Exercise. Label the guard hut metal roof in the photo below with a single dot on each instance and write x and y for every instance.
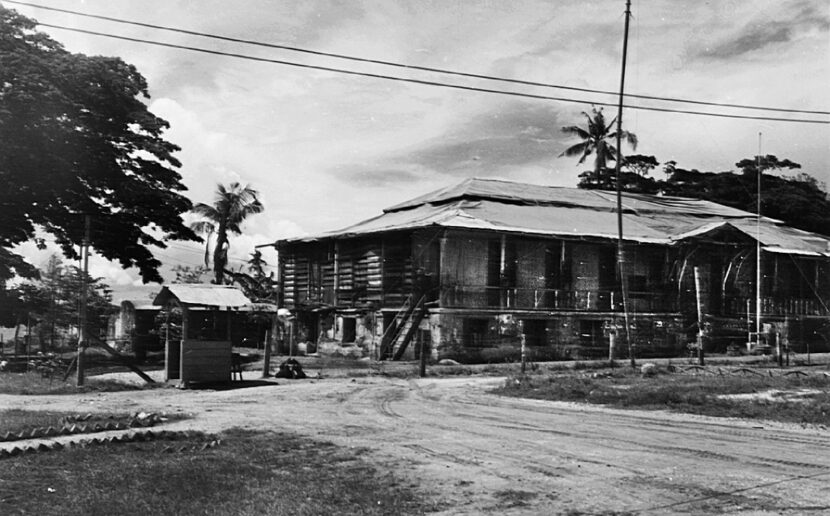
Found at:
(199, 357)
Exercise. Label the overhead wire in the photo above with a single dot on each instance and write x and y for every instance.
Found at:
(425, 82)
(405, 65)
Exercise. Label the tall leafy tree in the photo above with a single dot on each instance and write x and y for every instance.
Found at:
(597, 138)
(77, 141)
(51, 303)
(231, 206)
(800, 201)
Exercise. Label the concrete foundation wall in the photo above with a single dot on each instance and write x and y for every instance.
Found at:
(557, 337)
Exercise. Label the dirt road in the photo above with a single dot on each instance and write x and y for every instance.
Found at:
(479, 453)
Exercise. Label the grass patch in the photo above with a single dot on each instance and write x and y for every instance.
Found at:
(696, 394)
(248, 474)
(33, 382)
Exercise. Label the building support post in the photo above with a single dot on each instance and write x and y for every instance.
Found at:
(503, 301)
(442, 267)
(181, 343)
(524, 346)
(699, 299)
(422, 362)
(335, 294)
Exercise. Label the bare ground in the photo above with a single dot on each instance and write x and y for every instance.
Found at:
(477, 453)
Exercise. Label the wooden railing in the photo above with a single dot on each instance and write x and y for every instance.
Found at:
(778, 306)
(466, 296)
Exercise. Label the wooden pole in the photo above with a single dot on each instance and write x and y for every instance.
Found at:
(620, 248)
(82, 337)
(422, 368)
(167, 342)
(180, 344)
(778, 350)
(524, 353)
(266, 365)
(758, 276)
(28, 339)
(699, 299)
(502, 271)
(291, 339)
(612, 342)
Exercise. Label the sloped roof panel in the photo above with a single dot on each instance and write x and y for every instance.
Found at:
(527, 194)
(784, 238)
(204, 295)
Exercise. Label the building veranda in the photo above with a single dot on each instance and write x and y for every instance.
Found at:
(470, 271)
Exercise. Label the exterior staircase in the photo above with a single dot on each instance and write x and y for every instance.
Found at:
(402, 330)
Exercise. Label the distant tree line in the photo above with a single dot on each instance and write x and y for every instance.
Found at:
(798, 200)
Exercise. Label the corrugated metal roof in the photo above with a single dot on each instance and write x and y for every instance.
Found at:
(203, 295)
(537, 195)
(555, 211)
(139, 304)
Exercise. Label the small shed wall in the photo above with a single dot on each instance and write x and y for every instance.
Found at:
(205, 361)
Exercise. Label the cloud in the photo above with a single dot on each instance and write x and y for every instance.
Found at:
(509, 134)
(802, 18)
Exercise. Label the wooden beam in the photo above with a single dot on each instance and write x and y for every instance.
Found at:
(180, 344)
(125, 361)
(442, 263)
(336, 272)
(502, 271)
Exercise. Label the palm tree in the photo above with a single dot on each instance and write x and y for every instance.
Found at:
(206, 228)
(599, 139)
(232, 205)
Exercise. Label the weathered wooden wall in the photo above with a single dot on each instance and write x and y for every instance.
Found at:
(205, 361)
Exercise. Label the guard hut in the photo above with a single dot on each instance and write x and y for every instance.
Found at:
(202, 353)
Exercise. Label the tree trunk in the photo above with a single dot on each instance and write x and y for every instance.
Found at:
(220, 255)
(16, 333)
(600, 163)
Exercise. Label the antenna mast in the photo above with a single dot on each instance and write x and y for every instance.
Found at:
(758, 249)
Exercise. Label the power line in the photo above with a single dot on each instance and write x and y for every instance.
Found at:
(424, 82)
(409, 66)
(202, 253)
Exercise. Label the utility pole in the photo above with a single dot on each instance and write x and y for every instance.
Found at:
(620, 245)
(82, 336)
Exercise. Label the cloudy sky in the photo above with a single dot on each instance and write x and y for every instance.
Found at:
(327, 149)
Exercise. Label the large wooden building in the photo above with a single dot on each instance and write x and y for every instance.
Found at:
(471, 270)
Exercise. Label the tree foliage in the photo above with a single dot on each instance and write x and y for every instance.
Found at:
(51, 304)
(597, 138)
(231, 206)
(258, 286)
(78, 140)
(799, 201)
(188, 274)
